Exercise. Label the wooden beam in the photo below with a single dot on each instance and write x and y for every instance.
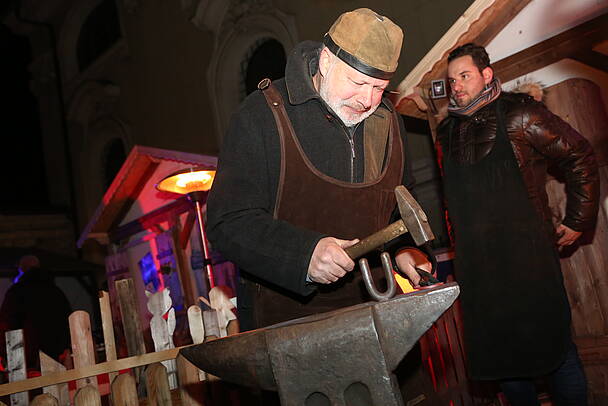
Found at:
(126, 194)
(480, 23)
(554, 49)
(108, 329)
(149, 220)
(86, 372)
(602, 47)
(184, 236)
(186, 275)
(591, 58)
(447, 41)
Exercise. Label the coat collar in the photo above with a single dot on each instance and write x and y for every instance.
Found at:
(301, 66)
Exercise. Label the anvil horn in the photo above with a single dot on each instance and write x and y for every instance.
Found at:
(241, 359)
(325, 353)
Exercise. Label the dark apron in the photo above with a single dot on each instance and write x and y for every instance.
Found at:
(309, 199)
(515, 308)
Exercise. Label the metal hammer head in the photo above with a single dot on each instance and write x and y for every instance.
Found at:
(413, 216)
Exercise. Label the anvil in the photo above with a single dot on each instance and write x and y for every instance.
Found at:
(330, 355)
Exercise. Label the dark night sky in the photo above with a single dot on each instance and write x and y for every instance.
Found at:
(22, 165)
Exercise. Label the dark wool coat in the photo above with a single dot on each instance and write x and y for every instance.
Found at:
(241, 203)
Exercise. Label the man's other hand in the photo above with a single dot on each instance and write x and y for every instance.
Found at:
(408, 259)
(329, 261)
(566, 235)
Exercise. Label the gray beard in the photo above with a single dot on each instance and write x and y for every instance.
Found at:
(335, 105)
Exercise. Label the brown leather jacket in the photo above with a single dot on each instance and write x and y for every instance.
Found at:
(540, 140)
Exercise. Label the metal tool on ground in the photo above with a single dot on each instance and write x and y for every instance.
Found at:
(413, 220)
(335, 356)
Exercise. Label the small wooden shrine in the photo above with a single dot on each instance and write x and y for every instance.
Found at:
(151, 235)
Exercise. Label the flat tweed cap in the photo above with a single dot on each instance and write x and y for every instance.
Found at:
(366, 41)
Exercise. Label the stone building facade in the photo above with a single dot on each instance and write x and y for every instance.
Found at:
(110, 74)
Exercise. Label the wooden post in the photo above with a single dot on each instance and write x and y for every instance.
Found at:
(195, 322)
(186, 276)
(197, 331)
(190, 377)
(190, 386)
(211, 330)
(61, 392)
(158, 385)
(127, 301)
(15, 355)
(108, 329)
(210, 321)
(82, 345)
(45, 399)
(87, 396)
(124, 392)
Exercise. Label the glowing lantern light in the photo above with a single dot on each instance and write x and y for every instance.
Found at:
(194, 182)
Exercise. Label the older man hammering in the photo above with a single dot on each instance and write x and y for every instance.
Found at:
(308, 165)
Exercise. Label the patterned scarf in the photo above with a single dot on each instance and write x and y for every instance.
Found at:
(487, 96)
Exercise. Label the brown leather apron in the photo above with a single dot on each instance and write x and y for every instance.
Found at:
(309, 199)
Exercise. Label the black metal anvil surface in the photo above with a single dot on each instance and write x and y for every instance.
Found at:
(329, 354)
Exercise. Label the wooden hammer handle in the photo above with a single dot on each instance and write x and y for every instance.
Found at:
(377, 239)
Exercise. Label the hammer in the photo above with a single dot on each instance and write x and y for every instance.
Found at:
(413, 220)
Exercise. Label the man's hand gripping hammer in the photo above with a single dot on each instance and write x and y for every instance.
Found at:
(413, 220)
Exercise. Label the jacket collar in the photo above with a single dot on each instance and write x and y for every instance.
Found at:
(302, 64)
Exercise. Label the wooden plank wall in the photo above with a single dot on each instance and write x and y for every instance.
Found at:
(444, 357)
(579, 102)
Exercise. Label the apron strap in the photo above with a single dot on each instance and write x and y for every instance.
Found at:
(275, 103)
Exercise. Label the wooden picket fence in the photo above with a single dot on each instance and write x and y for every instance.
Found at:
(140, 378)
(165, 378)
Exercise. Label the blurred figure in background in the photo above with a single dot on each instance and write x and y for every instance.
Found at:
(35, 304)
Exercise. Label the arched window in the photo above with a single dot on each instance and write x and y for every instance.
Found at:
(113, 157)
(233, 58)
(99, 32)
(267, 61)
